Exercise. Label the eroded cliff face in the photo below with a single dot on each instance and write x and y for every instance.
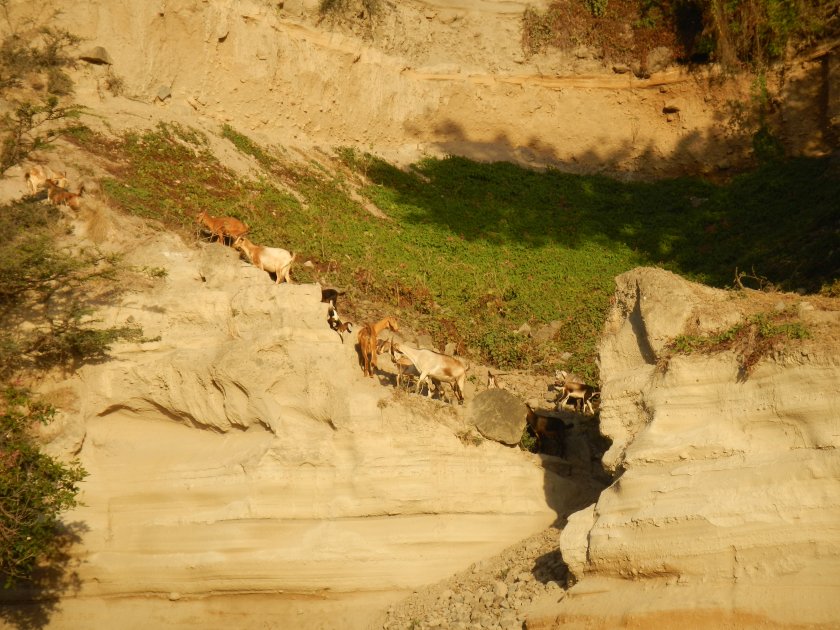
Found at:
(242, 451)
(423, 78)
(726, 502)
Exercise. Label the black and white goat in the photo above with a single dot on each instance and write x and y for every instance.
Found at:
(334, 320)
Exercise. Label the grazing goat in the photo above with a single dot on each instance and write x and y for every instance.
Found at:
(222, 227)
(437, 366)
(60, 197)
(334, 320)
(271, 259)
(570, 386)
(368, 342)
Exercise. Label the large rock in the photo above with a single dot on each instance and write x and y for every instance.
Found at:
(499, 416)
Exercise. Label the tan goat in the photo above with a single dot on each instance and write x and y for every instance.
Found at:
(222, 227)
(571, 386)
(435, 366)
(367, 342)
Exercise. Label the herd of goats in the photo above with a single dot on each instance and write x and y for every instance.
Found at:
(424, 366)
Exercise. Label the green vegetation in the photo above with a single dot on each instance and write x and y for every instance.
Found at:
(370, 7)
(470, 252)
(757, 337)
(46, 298)
(34, 490)
(29, 126)
(734, 32)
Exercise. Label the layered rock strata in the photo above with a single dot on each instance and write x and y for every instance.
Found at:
(726, 501)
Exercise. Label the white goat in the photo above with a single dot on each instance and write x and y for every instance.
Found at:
(271, 259)
(436, 366)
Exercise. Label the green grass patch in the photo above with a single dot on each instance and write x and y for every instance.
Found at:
(471, 251)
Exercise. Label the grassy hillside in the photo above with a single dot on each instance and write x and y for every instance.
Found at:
(469, 252)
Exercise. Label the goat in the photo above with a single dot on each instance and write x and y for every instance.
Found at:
(222, 227)
(36, 178)
(546, 429)
(330, 295)
(271, 259)
(437, 366)
(367, 342)
(578, 390)
(334, 321)
(60, 197)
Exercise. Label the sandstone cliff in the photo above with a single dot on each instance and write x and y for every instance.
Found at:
(242, 452)
(726, 505)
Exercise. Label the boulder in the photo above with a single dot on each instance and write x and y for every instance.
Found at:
(499, 416)
(97, 55)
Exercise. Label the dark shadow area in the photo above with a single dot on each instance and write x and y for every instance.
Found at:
(780, 220)
(31, 605)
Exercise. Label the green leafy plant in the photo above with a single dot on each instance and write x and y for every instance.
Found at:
(596, 7)
(35, 489)
(509, 246)
(32, 126)
(757, 337)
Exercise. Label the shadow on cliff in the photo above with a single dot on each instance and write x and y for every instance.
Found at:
(780, 219)
(572, 459)
(30, 605)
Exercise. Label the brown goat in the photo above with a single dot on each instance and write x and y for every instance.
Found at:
(60, 197)
(222, 227)
(547, 430)
(367, 342)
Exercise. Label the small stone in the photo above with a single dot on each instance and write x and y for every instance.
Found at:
(174, 596)
(500, 589)
(97, 55)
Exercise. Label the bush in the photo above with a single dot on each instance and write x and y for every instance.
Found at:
(30, 127)
(34, 489)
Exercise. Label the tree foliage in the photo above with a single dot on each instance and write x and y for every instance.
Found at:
(35, 489)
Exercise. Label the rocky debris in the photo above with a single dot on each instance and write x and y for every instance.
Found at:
(659, 58)
(493, 594)
(97, 55)
(498, 415)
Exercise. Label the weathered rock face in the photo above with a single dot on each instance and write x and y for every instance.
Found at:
(727, 496)
(422, 77)
(243, 451)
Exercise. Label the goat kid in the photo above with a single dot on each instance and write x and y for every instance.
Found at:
(368, 348)
(271, 259)
(222, 227)
(436, 366)
(334, 321)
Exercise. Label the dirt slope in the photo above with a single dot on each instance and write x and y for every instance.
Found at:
(426, 78)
